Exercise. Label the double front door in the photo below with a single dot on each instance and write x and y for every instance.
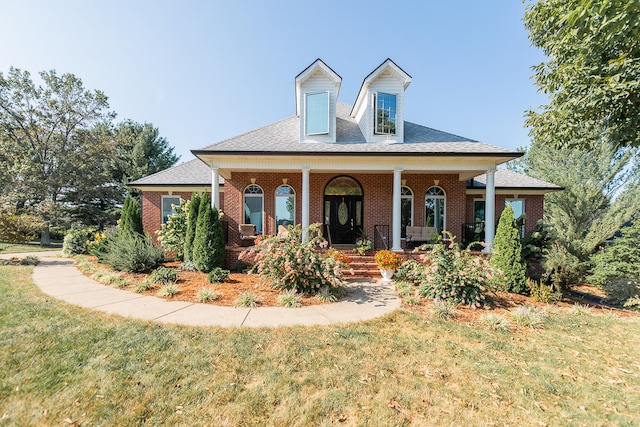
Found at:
(343, 218)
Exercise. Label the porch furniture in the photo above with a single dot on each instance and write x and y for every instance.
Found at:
(418, 235)
(247, 234)
(282, 231)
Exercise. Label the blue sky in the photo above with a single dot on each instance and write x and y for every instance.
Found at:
(202, 71)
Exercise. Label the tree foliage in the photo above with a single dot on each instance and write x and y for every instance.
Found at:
(39, 134)
(592, 71)
(601, 193)
(507, 256)
(172, 234)
(620, 260)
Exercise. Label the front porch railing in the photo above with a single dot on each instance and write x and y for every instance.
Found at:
(380, 237)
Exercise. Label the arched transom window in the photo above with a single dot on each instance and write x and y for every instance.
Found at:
(406, 209)
(285, 206)
(435, 209)
(254, 206)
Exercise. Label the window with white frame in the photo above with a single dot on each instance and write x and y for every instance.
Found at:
(254, 206)
(435, 209)
(385, 113)
(285, 206)
(168, 203)
(406, 209)
(317, 113)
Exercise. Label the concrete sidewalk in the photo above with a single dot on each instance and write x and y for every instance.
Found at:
(59, 278)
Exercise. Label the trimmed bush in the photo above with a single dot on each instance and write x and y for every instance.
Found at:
(191, 224)
(76, 241)
(171, 235)
(619, 260)
(164, 275)
(208, 249)
(134, 253)
(217, 275)
(131, 217)
(507, 255)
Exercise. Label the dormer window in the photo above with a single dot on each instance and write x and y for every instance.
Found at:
(317, 113)
(385, 113)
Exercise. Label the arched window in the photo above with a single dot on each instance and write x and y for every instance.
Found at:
(406, 209)
(285, 206)
(253, 206)
(435, 209)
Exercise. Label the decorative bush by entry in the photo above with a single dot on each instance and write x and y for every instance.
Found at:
(217, 275)
(507, 255)
(191, 224)
(131, 217)
(75, 241)
(172, 234)
(457, 276)
(386, 259)
(292, 265)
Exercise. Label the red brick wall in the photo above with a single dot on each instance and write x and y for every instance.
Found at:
(377, 189)
(152, 209)
(533, 207)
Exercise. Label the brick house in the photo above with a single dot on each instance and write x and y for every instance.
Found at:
(357, 169)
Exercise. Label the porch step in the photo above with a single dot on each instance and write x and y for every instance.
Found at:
(363, 266)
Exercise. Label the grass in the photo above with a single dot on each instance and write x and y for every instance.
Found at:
(10, 248)
(61, 362)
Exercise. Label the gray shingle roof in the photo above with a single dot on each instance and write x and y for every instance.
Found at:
(284, 137)
(192, 173)
(505, 178)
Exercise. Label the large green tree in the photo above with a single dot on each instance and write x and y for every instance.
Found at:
(592, 71)
(39, 137)
(601, 193)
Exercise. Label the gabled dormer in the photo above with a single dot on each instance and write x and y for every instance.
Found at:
(317, 90)
(379, 107)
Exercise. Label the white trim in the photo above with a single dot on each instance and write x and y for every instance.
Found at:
(275, 203)
(244, 195)
(490, 210)
(397, 212)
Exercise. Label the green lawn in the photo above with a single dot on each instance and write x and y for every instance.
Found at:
(8, 248)
(60, 362)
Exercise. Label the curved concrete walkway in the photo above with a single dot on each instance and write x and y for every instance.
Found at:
(366, 299)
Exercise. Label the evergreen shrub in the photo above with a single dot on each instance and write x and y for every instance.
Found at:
(507, 255)
(191, 224)
(134, 253)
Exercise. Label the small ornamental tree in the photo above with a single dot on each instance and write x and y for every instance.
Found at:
(507, 255)
(131, 218)
(208, 244)
(192, 220)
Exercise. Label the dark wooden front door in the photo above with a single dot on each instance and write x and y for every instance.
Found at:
(343, 218)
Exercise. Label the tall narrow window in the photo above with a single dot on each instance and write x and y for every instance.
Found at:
(435, 208)
(253, 206)
(385, 113)
(168, 202)
(317, 113)
(285, 206)
(406, 209)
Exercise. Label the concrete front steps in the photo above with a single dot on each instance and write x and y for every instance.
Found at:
(363, 266)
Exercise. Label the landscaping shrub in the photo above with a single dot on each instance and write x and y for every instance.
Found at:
(164, 275)
(530, 317)
(289, 299)
(217, 275)
(619, 260)
(247, 299)
(188, 266)
(208, 249)
(99, 247)
(240, 266)
(497, 322)
(457, 276)
(292, 265)
(169, 290)
(76, 241)
(131, 217)
(172, 234)
(134, 253)
(30, 260)
(207, 294)
(620, 291)
(507, 255)
(191, 224)
(444, 309)
(542, 292)
(411, 271)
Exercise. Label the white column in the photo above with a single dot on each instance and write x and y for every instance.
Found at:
(305, 202)
(215, 187)
(490, 210)
(396, 217)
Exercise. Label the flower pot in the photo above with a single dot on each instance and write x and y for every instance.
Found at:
(387, 274)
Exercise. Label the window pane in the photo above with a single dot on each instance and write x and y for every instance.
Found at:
(406, 209)
(253, 211)
(167, 208)
(517, 206)
(317, 113)
(435, 213)
(385, 113)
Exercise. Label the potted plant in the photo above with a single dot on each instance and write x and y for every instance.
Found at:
(388, 261)
(363, 245)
